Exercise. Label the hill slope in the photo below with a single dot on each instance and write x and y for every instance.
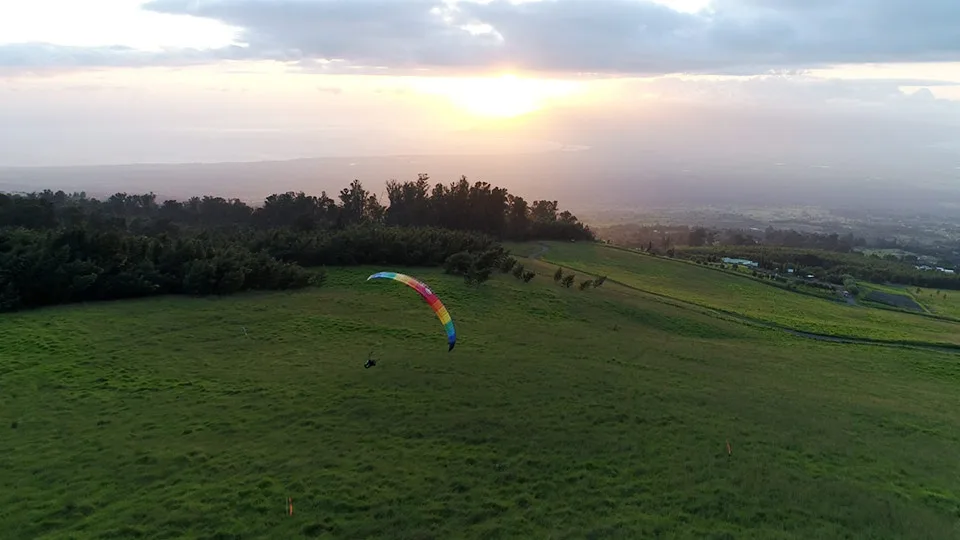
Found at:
(561, 413)
(748, 297)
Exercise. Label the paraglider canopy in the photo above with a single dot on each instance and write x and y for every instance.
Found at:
(429, 297)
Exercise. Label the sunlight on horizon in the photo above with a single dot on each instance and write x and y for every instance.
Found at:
(505, 96)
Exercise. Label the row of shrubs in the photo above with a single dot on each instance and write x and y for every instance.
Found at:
(477, 268)
(568, 279)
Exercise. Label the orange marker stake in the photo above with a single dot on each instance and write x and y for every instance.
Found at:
(290, 502)
(729, 450)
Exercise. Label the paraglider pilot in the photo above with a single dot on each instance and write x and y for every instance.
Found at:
(370, 362)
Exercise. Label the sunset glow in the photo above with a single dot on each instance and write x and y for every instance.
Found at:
(503, 96)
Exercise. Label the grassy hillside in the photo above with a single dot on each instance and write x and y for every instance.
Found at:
(874, 295)
(946, 303)
(560, 414)
(721, 290)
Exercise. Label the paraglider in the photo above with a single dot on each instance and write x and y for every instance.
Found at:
(429, 297)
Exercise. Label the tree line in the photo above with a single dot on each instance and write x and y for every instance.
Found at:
(58, 248)
(461, 206)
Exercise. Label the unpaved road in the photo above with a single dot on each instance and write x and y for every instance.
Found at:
(540, 252)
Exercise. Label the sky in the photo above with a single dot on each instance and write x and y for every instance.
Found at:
(121, 81)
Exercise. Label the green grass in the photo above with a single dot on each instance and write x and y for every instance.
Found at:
(892, 289)
(939, 302)
(906, 299)
(751, 298)
(560, 414)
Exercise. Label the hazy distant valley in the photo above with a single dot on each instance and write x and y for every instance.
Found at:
(595, 162)
(712, 167)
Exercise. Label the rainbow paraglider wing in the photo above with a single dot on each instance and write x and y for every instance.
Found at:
(429, 297)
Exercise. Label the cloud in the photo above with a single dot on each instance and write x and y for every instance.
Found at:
(613, 37)
(790, 90)
(604, 36)
(42, 57)
(634, 37)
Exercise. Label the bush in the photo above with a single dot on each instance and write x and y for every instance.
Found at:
(585, 284)
(518, 271)
(527, 276)
(507, 264)
(78, 264)
(490, 258)
(477, 275)
(567, 280)
(599, 281)
(475, 268)
(558, 275)
(458, 264)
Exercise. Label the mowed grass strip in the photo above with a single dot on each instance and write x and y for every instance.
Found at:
(560, 414)
(719, 290)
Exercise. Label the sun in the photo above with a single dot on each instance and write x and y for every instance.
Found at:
(502, 97)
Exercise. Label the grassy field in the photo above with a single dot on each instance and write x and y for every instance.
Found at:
(874, 295)
(720, 290)
(560, 414)
(946, 303)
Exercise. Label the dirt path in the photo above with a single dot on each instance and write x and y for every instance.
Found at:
(540, 252)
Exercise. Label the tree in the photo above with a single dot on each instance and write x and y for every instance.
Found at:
(518, 217)
(475, 268)
(484, 264)
(57, 247)
(409, 203)
(544, 211)
(490, 258)
(558, 275)
(698, 237)
(459, 264)
(477, 275)
(357, 205)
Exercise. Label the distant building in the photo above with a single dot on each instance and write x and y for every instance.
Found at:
(741, 262)
(938, 269)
